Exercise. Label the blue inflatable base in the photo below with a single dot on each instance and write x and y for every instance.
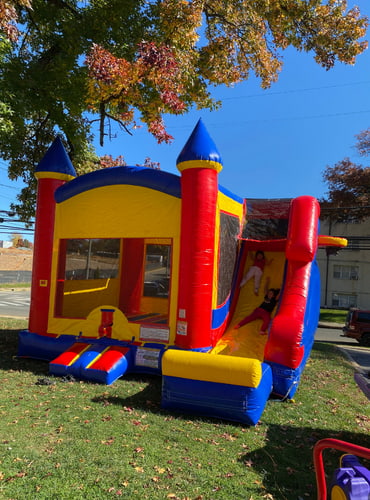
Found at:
(211, 399)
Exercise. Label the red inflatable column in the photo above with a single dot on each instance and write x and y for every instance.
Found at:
(53, 171)
(199, 163)
(132, 275)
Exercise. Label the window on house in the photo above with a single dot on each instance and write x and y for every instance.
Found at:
(353, 244)
(344, 300)
(345, 272)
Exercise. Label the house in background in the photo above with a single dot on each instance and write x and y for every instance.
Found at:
(5, 244)
(345, 275)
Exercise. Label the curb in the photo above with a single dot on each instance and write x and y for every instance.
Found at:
(335, 326)
(5, 316)
(363, 382)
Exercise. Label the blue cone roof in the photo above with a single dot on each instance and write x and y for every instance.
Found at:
(199, 146)
(56, 160)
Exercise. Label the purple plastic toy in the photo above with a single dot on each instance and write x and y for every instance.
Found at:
(351, 481)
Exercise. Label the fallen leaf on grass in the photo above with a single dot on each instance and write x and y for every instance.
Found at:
(108, 442)
(160, 470)
(19, 474)
(228, 436)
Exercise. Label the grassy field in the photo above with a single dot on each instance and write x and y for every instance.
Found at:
(65, 439)
(6, 286)
(333, 315)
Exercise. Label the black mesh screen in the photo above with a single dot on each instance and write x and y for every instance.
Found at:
(266, 219)
(229, 231)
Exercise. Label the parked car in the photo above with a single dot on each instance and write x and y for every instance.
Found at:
(155, 289)
(357, 326)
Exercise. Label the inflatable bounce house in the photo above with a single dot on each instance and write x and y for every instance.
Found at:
(139, 270)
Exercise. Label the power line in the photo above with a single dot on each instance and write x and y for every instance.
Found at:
(16, 228)
(295, 91)
(291, 118)
(359, 207)
(10, 187)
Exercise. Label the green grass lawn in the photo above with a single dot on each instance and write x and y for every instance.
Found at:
(78, 440)
(333, 315)
(15, 285)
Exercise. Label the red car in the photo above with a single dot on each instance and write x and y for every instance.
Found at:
(357, 326)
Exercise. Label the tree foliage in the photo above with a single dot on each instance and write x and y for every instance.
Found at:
(9, 17)
(133, 61)
(18, 241)
(348, 196)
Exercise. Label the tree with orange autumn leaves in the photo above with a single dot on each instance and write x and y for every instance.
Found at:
(172, 71)
(9, 17)
(348, 196)
(133, 61)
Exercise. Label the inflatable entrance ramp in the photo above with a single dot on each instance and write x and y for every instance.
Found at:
(93, 362)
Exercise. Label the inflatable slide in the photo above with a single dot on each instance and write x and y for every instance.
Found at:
(245, 368)
(152, 283)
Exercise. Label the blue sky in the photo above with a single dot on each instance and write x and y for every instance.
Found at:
(274, 143)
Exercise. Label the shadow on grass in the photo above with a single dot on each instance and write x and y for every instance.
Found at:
(9, 359)
(147, 399)
(285, 462)
(288, 458)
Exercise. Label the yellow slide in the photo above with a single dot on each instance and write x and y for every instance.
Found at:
(246, 342)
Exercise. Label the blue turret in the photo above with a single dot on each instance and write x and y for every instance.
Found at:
(56, 163)
(199, 147)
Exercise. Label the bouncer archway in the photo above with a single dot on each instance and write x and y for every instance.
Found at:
(138, 270)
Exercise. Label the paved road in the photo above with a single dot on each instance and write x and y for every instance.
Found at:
(15, 303)
(15, 276)
(360, 355)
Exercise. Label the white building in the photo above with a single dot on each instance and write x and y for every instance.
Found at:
(5, 244)
(345, 277)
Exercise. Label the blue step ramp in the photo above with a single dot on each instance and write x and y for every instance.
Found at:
(93, 362)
